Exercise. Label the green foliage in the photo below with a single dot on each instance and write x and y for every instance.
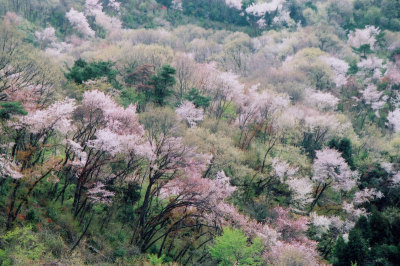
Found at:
(353, 68)
(197, 99)
(155, 260)
(166, 3)
(373, 239)
(216, 10)
(231, 248)
(162, 83)
(21, 242)
(382, 13)
(355, 251)
(345, 147)
(363, 50)
(357, 248)
(136, 13)
(84, 71)
(11, 108)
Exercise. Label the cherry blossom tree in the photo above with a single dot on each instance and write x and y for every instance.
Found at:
(8, 168)
(375, 98)
(174, 166)
(57, 117)
(97, 194)
(114, 4)
(371, 67)
(102, 133)
(339, 68)
(257, 110)
(234, 3)
(190, 113)
(366, 195)
(330, 169)
(46, 37)
(223, 87)
(260, 9)
(317, 126)
(95, 9)
(302, 188)
(366, 36)
(394, 119)
(322, 100)
(79, 22)
(32, 143)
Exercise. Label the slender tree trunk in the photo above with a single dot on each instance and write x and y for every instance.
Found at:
(318, 197)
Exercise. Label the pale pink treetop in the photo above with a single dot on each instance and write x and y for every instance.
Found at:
(114, 4)
(371, 67)
(375, 98)
(302, 189)
(395, 179)
(394, 120)
(9, 168)
(282, 252)
(47, 36)
(57, 116)
(255, 106)
(188, 111)
(330, 168)
(314, 119)
(29, 94)
(322, 223)
(260, 9)
(98, 194)
(339, 68)
(228, 83)
(322, 100)
(366, 195)
(353, 212)
(123, 132)
(119, 119)
(393, 73)
(234, 3)
(79, 23)
(80, 155)
(283, 169)
(95, 9)
(283, 18)
(360, 37)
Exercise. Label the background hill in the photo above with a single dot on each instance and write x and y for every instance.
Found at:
(199, 132)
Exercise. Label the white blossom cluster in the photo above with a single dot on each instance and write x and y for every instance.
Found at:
(375, 98)
(330, 167)
(364, 36)
(188, 111)
(322, 100)
(394, 120)
(260, 9)
(79, 21)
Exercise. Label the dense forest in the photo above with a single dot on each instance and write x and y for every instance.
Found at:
(200, 132)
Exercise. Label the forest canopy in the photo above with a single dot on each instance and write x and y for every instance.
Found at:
(194, 132)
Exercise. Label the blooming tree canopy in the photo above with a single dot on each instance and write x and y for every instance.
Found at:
(188, 111)
(79, 22)
(331, 169)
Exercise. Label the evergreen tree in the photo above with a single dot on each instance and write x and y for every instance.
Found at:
(11, 108)
(357, 249)
(162, 83)
(340, 252)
